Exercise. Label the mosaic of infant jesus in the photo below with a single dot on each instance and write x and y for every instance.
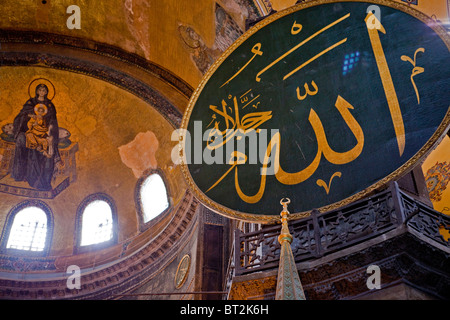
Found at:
(37, 135)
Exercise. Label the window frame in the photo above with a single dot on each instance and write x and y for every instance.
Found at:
(78, 248)
(138, 203)
(9, 223)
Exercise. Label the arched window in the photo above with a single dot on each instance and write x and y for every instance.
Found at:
(152, 197)
(28, 229)
(96, 221)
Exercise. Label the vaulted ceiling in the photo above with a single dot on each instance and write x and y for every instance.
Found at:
(121, 84)
(119, 81)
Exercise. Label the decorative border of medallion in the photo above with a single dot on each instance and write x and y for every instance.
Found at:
(182, 271)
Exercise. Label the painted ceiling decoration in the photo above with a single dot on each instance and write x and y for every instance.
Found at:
(115, 95)
(437, 179)
(32, 56)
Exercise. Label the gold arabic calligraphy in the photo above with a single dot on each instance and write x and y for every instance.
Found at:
(273, 151)
(258, 76)
(373, 25)
(250, 121)
(415, 71)
(228, 125)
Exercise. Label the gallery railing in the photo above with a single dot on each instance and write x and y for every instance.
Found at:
(324, 233)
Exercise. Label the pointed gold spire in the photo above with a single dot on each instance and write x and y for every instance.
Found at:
(289, 286)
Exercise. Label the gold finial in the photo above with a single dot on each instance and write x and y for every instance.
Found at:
(289, 286)
(285, 204)
(285, 235)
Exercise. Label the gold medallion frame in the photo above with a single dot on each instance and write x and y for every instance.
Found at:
(182, 274)
(265, 219)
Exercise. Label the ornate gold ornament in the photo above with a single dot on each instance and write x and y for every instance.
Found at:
(182, 271)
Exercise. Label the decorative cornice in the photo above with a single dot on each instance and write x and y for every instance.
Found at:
(117, 277)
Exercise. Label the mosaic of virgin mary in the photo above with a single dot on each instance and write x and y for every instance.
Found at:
(36, 136)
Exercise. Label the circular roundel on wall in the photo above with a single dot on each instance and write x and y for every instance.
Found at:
(182, 271)
(321, 103)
